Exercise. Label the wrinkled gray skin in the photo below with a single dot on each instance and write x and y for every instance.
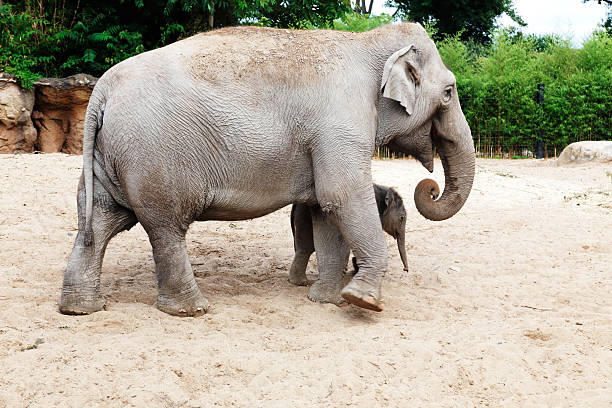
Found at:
(236, 123)
(393, 219)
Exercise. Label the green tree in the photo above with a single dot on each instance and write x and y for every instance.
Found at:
(17, 32)
(497, 86)
(474, 19)
(358, 22)
(60, 38)
(300, 13)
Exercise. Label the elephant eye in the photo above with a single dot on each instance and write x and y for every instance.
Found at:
(448, 92)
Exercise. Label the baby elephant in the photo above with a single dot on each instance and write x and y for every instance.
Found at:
(392, 216)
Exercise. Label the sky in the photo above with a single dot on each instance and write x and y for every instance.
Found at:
(568, 18)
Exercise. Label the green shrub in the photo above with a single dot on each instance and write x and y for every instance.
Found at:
(358, 22)
(496, 83)
(497, 87)
(18, 31)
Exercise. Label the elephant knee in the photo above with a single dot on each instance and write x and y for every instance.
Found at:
(331, 201)
(304, 253)
(330, 207)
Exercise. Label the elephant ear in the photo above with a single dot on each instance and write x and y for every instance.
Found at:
(400, 78)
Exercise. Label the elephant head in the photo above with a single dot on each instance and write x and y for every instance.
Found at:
(393, 219)
(419, 108)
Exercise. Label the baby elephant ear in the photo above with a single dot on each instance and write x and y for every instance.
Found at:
(400, 78)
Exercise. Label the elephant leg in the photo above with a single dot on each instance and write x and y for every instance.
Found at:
(301, 225)
(355, 267)
(365, 235)
(81, 287)
(178, 292)
(332, 257)
(344, 191)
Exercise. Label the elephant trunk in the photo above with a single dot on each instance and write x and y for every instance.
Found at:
(459, 167)
(401, 246)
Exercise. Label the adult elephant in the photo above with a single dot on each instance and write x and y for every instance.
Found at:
(236, 123)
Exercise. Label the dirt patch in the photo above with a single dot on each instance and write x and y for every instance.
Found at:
(457, 330)
(537, 334)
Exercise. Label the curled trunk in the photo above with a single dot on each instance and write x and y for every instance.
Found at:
(459, 166)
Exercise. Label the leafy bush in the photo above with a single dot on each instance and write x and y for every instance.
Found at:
(52, 38)
(496, 83)
(498, 87)
(17, 32)
(358, 22)
(94, 47)
(58, 44)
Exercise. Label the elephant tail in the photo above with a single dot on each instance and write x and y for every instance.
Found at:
(93, 123)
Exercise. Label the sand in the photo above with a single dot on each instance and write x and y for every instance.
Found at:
(507, 304)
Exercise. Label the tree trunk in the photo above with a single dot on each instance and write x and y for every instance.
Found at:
(211, 20)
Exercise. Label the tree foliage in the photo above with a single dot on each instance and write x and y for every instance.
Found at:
(498, 89)
(496, 80)
(17, 32)
(60, 38)
(301, 13)
(357, 22)
(474, 19)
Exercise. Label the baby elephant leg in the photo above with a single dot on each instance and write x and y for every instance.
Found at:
(301, 226)
(332, 257)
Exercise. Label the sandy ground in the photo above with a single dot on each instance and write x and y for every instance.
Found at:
(508, 304)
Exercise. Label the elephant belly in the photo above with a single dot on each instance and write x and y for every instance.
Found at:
(232, 173)
(234, 205)
(258, 193)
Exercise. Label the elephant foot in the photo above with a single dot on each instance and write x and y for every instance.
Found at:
(191, 304)
(297, 272)
(299, 280)
(74, 303)
(363, 294)
(322, 293)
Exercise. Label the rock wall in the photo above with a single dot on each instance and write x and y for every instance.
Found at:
(48, 118)
(17, 133)
(59, 112)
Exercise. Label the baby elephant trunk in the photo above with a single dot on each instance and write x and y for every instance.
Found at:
(399, 233)
(401, 245)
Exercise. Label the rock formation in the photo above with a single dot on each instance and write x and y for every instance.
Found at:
(59, 112)
(17, 133)
(584, 152)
